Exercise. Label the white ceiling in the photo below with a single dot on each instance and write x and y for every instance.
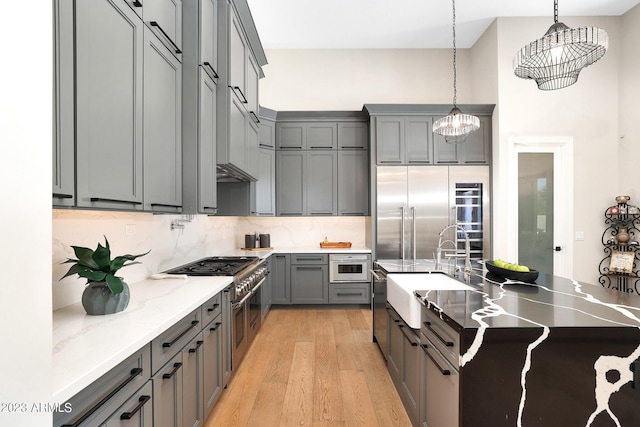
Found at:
(396, 24)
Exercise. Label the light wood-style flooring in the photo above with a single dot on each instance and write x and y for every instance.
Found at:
(311, 367)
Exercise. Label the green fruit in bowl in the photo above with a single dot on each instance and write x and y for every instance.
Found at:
(522, 268)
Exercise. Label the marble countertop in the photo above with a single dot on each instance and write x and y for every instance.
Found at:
(86, 347)
(295, 250)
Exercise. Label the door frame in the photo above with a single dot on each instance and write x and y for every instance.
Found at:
(562, 149)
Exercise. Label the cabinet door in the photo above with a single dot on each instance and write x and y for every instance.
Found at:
(237, 133)
(477, 148)
(237, 59)
(162, 127)
(281, 279)
(63, 120)
(321, 182)
(192, 380)
(309, 284)
(252, 146)
(291, 136)
(265, 192)
(353, 182)
(353, 135)
(267, 133)
(410, 392)
(418, 140)
(267, 292)
(444, 152)
(109, 55)
(290, 191)
(253, 78)
(209, 36)
(394, 349)
(212, 369)
(164, 17)
(167, 394)
(207, 197)
(137, 411)
(322, 135)
(389, 140)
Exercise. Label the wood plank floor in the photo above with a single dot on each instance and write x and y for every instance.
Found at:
(311, 367)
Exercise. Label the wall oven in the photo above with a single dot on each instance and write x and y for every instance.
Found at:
(349, 268)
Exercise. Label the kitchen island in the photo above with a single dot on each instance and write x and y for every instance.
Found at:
(554, 353)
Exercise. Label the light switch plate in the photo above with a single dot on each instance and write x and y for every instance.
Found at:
(579, 235)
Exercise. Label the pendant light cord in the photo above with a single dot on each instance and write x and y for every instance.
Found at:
(455, 88)
(555, 11)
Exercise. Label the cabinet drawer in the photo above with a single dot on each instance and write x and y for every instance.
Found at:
(110, 391)
(310, 259)
(170, 342)
(349, 293)
(211, 309)
(444, 337)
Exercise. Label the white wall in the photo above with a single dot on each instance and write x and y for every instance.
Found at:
(25, 217)
(586, 111)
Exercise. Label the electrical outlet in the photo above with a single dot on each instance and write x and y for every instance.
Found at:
(129, 230)
(579, 235)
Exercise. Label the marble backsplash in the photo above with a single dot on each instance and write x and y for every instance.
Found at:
(201, 236)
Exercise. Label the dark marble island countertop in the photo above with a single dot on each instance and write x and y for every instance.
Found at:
(554, 353)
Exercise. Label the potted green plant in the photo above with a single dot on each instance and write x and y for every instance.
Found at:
(105, 292)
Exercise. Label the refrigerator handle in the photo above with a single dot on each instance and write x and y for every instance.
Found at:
(413, 230)
(402, 232)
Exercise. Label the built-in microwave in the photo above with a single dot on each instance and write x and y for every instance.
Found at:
(349, 268)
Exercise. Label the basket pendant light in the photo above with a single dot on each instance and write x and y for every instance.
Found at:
(456, 126)
(555, 60)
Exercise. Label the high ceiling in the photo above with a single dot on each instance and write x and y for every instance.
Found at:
(353, 24)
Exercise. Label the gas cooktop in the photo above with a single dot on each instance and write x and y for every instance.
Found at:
(215, 266)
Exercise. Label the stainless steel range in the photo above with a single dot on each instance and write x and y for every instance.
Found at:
(248, 275)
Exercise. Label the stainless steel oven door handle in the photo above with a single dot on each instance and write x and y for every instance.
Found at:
(239, 304)
(255, 288)
(375, 275)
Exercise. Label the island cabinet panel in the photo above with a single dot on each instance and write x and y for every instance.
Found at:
(109, 105)
(115, 389)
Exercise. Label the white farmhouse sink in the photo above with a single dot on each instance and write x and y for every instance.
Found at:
(400, 289)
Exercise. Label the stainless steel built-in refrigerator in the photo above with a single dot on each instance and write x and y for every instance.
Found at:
(414, 203)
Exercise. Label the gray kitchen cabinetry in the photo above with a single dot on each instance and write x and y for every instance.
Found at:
(321, 182)
(403, 363)
(475, 150)
(109, 100)
(63, 120)
(193, 368)
(199, 105)
(353, 135)
(263, 191)
(113, 394)
(212, 364)
(267, 294)
(404, 140)
(162, 127)
(164, 18)
(309, 279)
(353, 182)
(240, 58)
(167, 394)
(290, 182)
(281, 279)
(349, 293)
(226, 336)
(306, 135)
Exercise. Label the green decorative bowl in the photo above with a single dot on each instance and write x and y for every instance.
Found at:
(522, 276)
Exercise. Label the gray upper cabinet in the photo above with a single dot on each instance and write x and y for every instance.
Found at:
(291, 136)
(162, 127)
(207, 145)
(164, 18)
(63, 121)
(208, 36)
(320, 182)
(265, 187)
(237, 59)
(353, 182)
(476, 149)
(237, 150)
(322, 136)
(253, 80)
(290, 190)
(403, 140)
(306, 135)
(267, 129)
(353, 135)
(109, 81)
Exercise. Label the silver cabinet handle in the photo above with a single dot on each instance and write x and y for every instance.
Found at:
(413, 231)
(402, 232)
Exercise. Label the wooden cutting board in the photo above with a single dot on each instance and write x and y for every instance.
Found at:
(335, 244)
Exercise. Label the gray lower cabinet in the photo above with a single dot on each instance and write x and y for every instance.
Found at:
(192, 382)
(267, 293)
(167, 394)
(109, 120)
(113, 394)
(404, 358)
(349, 293)
(280, 279)
(137, 411)
(353, 182)
(212, 364)
(309, 279)
(226, 336)
(162, 127)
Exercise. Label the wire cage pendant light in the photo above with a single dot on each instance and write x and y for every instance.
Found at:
(455, 126)
(555, 60)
